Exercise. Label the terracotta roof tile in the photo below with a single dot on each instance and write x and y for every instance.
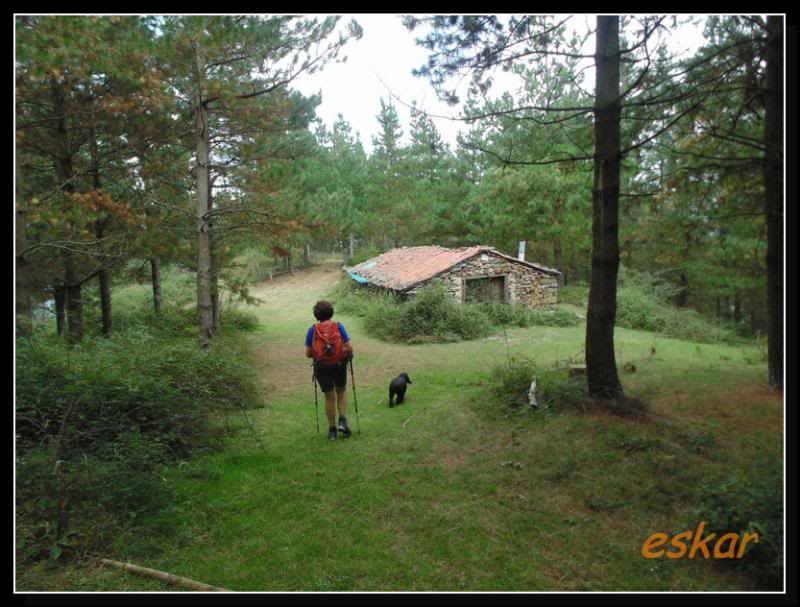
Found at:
(402, 268)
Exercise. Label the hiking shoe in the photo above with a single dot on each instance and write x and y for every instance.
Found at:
(343, 427)
(332, 434)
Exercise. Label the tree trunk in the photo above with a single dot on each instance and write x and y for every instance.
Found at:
(74, 303)
(601, 366)
(105, 300)
(64, 170)
(561, 279)
(683, 293)
(215, 307)
(155, 274)
(345, 257)
(307, 255)
(773, 189)
(737, 307)
(103, 277)
(59, 297)
(752, 309)
(352, 243)
(22, 276)
(204, 303)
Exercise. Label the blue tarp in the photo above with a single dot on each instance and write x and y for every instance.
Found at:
(358, 278)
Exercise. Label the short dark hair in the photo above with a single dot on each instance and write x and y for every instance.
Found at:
(323, 310)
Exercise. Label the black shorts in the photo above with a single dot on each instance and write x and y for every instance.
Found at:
(327, 377)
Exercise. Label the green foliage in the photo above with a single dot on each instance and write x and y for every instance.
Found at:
(363, 254)
(132, 309)
(750, 501)
(577, 295)
(113, 411)
(432, 316)
(522, 316)
(502, 314)
(555, 389)
(347, 296)
(255, 264)
(235, 319)
(510, 381)
(553, 317)
(643, 302)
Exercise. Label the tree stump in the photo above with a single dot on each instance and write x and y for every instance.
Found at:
(532, 394)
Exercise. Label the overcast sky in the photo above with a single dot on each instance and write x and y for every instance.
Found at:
(386, 52)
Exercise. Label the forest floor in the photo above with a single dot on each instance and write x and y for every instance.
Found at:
(445, 492)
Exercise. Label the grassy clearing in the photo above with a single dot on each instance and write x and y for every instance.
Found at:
(448, 492)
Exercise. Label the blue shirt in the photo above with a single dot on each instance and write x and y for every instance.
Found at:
(310, 334)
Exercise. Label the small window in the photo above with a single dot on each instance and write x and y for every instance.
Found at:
(489, 288)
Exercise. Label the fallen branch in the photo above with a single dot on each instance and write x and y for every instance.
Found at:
(174, 580)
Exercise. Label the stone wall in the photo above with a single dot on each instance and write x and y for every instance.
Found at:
(524, 285)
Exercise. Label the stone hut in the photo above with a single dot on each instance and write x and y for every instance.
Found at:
(477, 273)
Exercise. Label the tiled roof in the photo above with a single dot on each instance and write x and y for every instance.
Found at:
(400, 269)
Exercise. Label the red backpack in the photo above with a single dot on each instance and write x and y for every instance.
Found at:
(326, 345)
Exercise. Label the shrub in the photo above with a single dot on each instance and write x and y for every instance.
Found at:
(553, 317)
(639, 309)
(430, 316)
(521, 316)
(577, 295)
(237, 320)
(509, 384)
(555, 389)
(347, 296)
(113, 410)
(750, 503)
(502, 314)
(643, 303)
(255, 264)
(433, 316)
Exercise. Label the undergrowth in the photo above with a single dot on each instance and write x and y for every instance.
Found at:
(96, 421)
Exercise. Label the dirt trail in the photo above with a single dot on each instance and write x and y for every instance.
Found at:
(285, 310)
(316, 279)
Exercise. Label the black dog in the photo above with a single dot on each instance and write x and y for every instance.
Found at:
(398, 387)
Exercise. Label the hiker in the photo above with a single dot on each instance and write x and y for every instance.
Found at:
(329, 345)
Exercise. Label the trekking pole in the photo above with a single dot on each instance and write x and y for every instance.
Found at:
(253, 428)
(355, 400)
(316, 402)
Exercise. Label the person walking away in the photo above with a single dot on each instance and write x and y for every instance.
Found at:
(330, 347)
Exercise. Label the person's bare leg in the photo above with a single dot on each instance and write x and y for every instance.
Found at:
(330, 408)
(341, 400)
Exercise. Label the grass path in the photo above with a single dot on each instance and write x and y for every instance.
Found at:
(424, 498)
